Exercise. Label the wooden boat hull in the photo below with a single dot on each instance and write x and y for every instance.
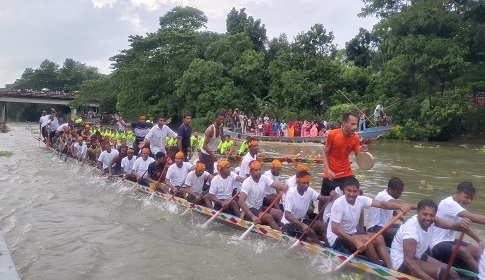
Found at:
(368, 135)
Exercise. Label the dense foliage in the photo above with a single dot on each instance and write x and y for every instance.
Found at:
(424, 60)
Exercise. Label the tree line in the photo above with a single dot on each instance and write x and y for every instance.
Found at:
(424, 60)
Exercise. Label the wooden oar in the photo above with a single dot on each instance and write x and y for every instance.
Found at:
(193, 204)
(453, 256)
(220, 211)
(311, 224)
(371, 239)
(277, 198)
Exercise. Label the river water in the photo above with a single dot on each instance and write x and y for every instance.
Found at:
(64, 223)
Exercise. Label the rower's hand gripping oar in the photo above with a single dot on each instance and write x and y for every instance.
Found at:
(370, 240)
(193, 204)
(261, 215)
(453, 256)
(220, 211)
(311, 224)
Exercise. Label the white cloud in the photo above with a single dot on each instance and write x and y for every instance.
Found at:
(103, 3)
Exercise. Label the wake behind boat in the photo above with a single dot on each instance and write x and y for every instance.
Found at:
(367, 136)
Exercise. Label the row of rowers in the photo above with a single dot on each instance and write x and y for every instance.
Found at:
(430, 234)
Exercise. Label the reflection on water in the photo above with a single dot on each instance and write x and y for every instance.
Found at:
(62, 222)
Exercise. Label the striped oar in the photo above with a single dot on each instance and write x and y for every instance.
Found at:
(311, 224)
(193, 204)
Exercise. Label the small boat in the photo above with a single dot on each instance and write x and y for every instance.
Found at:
(368, 135)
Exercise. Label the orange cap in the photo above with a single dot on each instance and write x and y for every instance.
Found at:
(302, 167)
(200, 166)
(130, 151)
(222, 164)
(254, 164)
(145, 151)
(179, 155)
(276, 164)
(80, 138)
(304, 179)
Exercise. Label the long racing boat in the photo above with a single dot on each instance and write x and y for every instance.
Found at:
(333, 255)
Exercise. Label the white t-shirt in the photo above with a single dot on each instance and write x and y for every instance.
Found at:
(291, 183)
(245, 164)
(80, 150)
(328, 208)
(127, 164)
(196, 183)
(106, 157)
(44, 120)
(297, 204)
(141, 166)
(222, 188)
(61, 127)
(255, 191)
(410, 230)
(158, 138)
(379, 216)
(274, 178)
(177, 175)
(448, 209)
(346, 215)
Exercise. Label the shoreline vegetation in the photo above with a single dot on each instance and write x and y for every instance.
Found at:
(422, 61)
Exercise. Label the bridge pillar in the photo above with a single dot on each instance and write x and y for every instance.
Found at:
(73, 113)
(3, 112)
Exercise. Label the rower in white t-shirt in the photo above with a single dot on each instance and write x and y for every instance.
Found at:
(128, 161)
(295, 220)
(140, 167)
(274, 174)
(453, 209)
(177, 173)
(250, 156)
(378, 217)
(106, 157)
(345, 230)
(252, 195)
(195, 183)
(79, 149)
(412, 240)
(223, 186)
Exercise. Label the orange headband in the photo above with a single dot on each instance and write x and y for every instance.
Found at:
(130, 151)
(254, 164)
(200, 166)
(252, 143)
(304, 179)
(222, 164)
(302, 167)
(145, 151)
(80, 138)
(276, 164)
(179, 155)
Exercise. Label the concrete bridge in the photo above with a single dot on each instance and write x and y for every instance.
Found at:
(36, 97)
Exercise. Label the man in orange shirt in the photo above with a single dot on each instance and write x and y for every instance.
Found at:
(339, 144)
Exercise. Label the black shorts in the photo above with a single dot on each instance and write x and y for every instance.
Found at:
(343, 245)
(255, 212)
(405, 270)
(294, 230)
(208, 161)
(330, 185)
(443, 250)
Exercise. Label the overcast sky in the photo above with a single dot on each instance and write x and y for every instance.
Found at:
(91, 31)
